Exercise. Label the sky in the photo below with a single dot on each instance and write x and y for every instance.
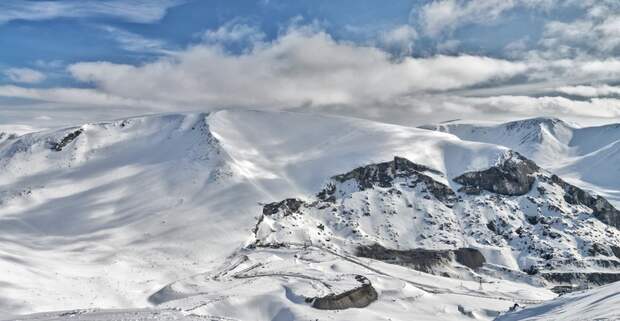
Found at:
(66, 62)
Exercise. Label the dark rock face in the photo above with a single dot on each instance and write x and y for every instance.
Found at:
(469, 257)
(418, 259)
(57, 147)
(601, 208)
(616, 251)
(422, 259)
(287, 206)
(384, 174)
(359, 297)
(514, 176)
(591, 278)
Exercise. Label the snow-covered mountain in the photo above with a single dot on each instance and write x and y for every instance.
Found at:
(540, 224)
(586, 156)
(288, 215)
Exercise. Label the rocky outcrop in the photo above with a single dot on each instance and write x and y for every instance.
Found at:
(601, 208)
(423, 259)
(359, 297)
(58, 146)
(287, 206)
(399, 212)
(469, 257)
(384, 175)
(513, 176)
(581, 278)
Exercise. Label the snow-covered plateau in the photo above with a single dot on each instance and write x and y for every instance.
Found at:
(256, 215)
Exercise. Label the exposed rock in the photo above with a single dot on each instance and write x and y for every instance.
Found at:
(66, 140)
(469, 257)
(616, 251)
(422, 259)
(287, 206)
(601, 208)
(400, 212)
(384, 174)
(515, 176)
(512, 176)
(581, 278)
(359, 297)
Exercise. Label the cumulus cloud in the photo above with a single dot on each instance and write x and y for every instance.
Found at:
(582, 37)
(24, 75)
(141, 11)
(305, 68)
(300, 67)
(594, 33)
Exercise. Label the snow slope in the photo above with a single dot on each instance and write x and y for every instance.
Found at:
(106, 217)
(119, 211)
(586, 156)
(596, 304)
(161, 211)
(273, 284)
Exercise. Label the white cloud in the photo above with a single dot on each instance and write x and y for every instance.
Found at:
(302, 66)
(82, 96)
(134, 42)
(401, 38)
(590, 91)
(442, 16)
(596, 33)
(234, 33)
(24, 75)
(141, 11)
(306, 68)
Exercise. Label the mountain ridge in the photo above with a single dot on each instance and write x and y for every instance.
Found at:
(115, 214)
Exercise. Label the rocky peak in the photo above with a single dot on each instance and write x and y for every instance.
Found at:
(601, 208)
(58, 146)
(385, 174)
(514, 175)
(533, 218)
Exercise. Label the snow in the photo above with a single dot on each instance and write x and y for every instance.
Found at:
(148, 218)
(405, 216)
(131, 205)
(585, 156)
(300, 151)
(272, 284)
(595, 304)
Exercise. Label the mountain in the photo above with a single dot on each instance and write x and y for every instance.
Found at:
(106, 214)
(237, 215)
(585, 156)
(513, 216)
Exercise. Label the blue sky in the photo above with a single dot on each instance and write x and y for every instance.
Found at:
(410, 61)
